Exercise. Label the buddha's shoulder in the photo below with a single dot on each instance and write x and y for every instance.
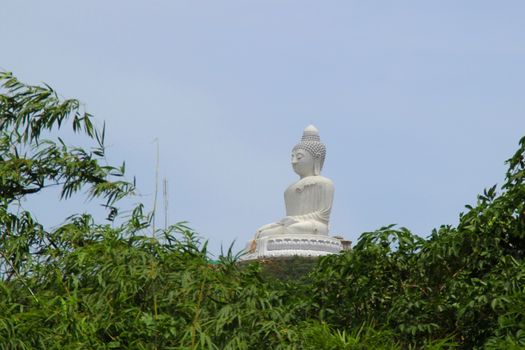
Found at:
(323, 180)
(312, 181)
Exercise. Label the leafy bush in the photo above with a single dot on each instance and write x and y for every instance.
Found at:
(464, 282)
(90, 285)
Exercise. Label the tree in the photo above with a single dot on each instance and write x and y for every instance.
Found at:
(92, 285)
(29, 164)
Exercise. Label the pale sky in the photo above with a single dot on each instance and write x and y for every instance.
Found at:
(418, 102)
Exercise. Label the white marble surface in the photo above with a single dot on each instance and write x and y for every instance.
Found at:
(293, 245)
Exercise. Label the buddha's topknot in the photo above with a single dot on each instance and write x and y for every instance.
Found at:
(311, 142)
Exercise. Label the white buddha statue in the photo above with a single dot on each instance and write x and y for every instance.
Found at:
(309, 200)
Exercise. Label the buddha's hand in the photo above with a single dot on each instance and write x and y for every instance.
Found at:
(268, 227)
(287, 221)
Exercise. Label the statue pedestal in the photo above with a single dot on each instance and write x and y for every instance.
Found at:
(286, 245)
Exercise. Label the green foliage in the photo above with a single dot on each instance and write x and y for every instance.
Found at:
(29, 164)
(87, 285)
(466, 283)
(288, 268)
(318, 335)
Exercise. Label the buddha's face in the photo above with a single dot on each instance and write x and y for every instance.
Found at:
(302, 163)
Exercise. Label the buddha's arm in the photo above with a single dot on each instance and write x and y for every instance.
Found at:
(269, 226)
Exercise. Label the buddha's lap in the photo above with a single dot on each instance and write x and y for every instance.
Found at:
(308, 226)
(301, 227)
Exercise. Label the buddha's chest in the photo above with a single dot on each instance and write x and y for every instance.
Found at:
(300, 198)
(297, 192)
(294, 199)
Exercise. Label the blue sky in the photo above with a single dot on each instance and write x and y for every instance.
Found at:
(418, 102)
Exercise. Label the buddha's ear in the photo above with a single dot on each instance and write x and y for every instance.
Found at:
(317, 167)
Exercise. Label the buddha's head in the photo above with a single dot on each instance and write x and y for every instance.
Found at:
(309, 154)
